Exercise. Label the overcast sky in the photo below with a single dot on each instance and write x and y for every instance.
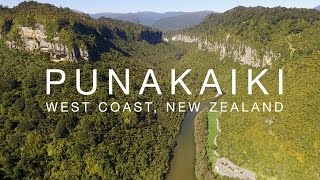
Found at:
(95, 6)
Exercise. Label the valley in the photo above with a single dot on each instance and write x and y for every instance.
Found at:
(272, 132)
(84, 144)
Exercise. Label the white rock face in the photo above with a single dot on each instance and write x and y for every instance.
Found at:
(165, 39)
(239, 53)
(36, 40)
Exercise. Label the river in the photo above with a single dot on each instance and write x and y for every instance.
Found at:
(183, 163)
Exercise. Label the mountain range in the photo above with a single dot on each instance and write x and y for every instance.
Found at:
(182, 21)
(144, 17)
(317, 8)
(162, 21)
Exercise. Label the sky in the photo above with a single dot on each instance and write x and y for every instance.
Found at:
(125, 6)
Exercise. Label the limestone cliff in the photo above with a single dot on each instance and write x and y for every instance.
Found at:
(240, 53)
(36, 40)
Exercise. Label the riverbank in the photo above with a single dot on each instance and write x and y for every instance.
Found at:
(203, 168)
(182, 162)
(222, 166)
(183, 158)
(213, 132)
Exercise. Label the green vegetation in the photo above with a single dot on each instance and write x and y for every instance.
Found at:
(203, 168)
(275, 145)
(264, 28)
(212, 134)
(74, 29)
(36, 144)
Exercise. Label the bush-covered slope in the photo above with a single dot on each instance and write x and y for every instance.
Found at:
(36, 144)
(263, 28)
(275, 145)
(73, 29)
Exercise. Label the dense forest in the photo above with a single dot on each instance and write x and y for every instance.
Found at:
(36, 144)
(280, 145)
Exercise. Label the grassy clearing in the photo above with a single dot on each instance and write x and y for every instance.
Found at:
(203, 168)
(212, 133)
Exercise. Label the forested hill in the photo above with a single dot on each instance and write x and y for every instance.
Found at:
(78, 33)
(262, 27)
(256, 36)
(37, 144)
(274, 145)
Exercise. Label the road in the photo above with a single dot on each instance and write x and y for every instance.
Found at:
(225, 167)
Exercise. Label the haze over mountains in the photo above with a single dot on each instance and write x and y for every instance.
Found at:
(144, 17)
(181, 21)
(163, 21)
(169, 21)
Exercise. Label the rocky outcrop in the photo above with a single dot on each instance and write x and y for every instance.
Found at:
(152, 37)
(240, 53)
(36, 40)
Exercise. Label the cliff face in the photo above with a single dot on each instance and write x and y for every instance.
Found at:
(36, 40)
(151, 37)
(240, 53)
